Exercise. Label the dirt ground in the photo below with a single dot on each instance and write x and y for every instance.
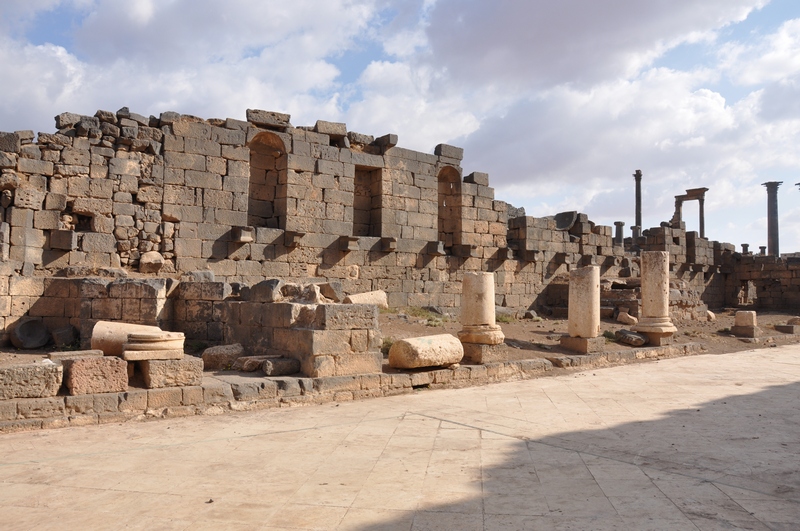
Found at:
(540, 336)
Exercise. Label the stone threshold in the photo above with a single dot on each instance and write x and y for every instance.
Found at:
(225, 392)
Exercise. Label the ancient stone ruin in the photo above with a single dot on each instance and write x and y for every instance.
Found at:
(279, 243)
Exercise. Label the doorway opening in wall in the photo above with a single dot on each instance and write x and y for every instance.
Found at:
(266, 205)
(367, 202)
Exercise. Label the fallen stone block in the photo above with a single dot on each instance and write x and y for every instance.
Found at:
(29, 332)
(378, 298)
(172, 373)
(788, 329)
(33, 380)
(630, 338)
(267, 291)
(249, 387)
(222, 356)
(280, 366)
(428, 351)
(92, 374)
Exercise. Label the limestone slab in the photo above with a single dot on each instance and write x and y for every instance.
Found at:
(427, 351)
(139, 355)
(221, 356)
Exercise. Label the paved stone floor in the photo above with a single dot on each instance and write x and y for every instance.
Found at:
(704, 442)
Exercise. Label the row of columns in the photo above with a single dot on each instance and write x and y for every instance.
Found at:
(773, 233)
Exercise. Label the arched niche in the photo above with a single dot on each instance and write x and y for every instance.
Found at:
(449, 180)
(266, 206)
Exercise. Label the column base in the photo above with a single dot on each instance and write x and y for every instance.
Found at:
(659, 339)
(583, 345)
(483, 334)
(479, 354)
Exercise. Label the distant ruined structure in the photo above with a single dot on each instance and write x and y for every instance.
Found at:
(172, 220)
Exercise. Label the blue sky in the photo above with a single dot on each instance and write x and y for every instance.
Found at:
(560, 102)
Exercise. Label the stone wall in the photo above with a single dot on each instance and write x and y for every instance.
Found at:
(259, 199)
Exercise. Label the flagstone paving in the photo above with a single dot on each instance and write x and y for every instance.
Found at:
(702, 442)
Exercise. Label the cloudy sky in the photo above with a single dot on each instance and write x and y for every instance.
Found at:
(560, 102)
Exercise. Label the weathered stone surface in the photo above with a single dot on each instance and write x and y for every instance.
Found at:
(280, 366)
(267, 291)
(151, 262)
(378, 298)
(427, 351)
(630, 338)
(29, 332)
(346, 317)
(249, 387)
(794, 321)
(478, 310)
(332, 290)
(267, 118)
(34, 380)
(160, 354)
(221, 357)
(742, 318)
(172, 373)
(584, 302)
(93, 374)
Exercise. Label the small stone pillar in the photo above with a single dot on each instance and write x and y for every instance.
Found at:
(773, 233)
(745, 325)
(479, 331)
(618, 236)
(654, 320)
(745, 248)
(763, 249)
(636, 232)
(584, 311)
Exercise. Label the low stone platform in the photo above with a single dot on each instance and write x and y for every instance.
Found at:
(230, 391)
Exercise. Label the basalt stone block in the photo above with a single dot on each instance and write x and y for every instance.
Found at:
(631, 338)
(222, 356)
(267, 291)
(248, 363)
(34, 380)
(93, 374)
(583, 345)
(172, 373)
(267, 118)
(29, 332)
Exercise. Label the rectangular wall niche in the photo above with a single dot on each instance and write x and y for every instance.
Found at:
(367, 202)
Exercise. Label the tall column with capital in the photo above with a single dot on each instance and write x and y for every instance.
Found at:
(773, 233)
(638, 177)
(702, 201)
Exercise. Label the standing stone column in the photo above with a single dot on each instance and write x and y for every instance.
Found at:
(702, 202)
(619, 238)
(773, 233)
(638, 177)
(584, 311)
(654, 321)
(479, 331)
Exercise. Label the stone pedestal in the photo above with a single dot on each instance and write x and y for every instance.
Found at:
(745, 324)
(583, 345)
(654, 321)
(584, 302)
(477, 311)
